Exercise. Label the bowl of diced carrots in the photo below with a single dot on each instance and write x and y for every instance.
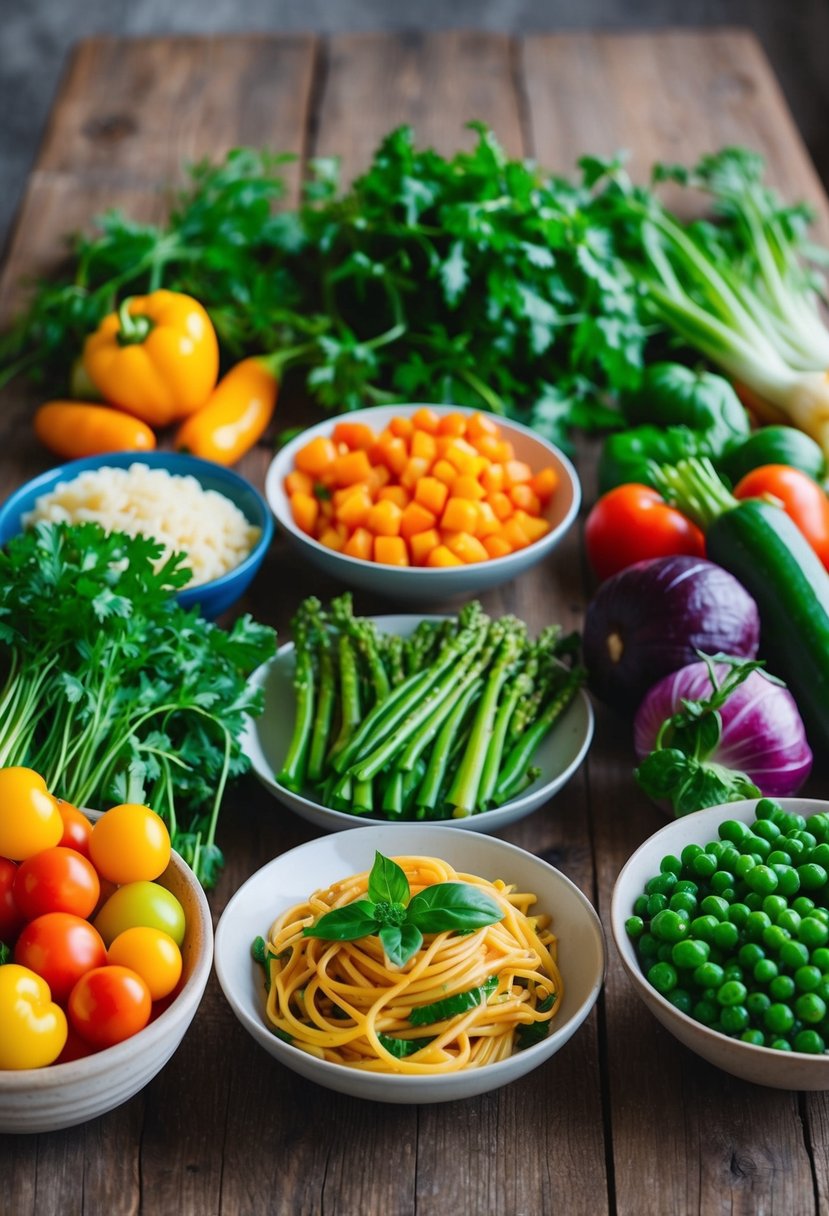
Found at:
(422, 501)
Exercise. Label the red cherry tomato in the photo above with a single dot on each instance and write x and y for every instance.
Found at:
(11, 919)
(108, 1005)
(800, 496)
(633, 522)
(76, 828)
(60, 947)
(56, 880)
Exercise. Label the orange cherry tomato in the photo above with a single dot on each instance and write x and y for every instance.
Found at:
(76, 828)
(800, 496)
(633, 522)
(130, 843)
(109, 1004)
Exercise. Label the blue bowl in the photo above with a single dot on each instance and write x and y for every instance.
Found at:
(212, 598)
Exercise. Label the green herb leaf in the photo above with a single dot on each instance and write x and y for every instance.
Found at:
(400, 1048)
(453, 905)
(461, 1002)
(387, 883)
(400, 943)
(535, 1032)
(345, 924)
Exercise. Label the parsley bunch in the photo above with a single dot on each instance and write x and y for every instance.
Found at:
(113, 692)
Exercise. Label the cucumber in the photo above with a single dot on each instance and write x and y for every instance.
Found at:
(761, 546)
(774, 445)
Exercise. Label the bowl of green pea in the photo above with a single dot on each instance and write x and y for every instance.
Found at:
(721, 920)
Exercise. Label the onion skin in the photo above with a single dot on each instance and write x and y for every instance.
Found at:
(762, 732)
(653, 617)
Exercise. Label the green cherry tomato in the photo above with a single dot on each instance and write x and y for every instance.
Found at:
(141, 903)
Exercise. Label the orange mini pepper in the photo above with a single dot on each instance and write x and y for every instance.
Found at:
(156, 357)
(72, 429)
(235, 415)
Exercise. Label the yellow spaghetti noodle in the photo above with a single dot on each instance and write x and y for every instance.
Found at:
(341, 1001)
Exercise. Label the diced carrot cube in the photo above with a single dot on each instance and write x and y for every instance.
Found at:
(545, 483)
(355, 435)
(431, 494)
(459, 515)
(305, 510)
(351, 468)
(488, 522)
(377, 478)
(398, 494)
(391, 551)
(461, 454)
(333, 537)
(298, 482)
(535, 526)
(505, 451)
(444, 471)
(452, 424)
(512, 531)
(421, 545)
(466, 486)
(423, 444)
(392, 452)
(416, 518)
(441, 556)
(427, 420)
(487, 445)
(481, 424)
(384, 519)
(417, 467)
(316, 457)
(492, 478)
(402, 427)
(497, 546)
(525, 498)
(359, 544)
(353, 510)
(501, 504)
(465, 546)
(516, 471)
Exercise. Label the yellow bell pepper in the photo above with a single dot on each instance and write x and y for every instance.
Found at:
(156, 357)
(33, 1029)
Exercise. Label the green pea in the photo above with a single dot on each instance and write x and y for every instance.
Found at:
(809, 1041)
(765, 970)
(812, 876)
(781, 988)
(775, 936)
(661, 884)
(766, 828)
(777, 857)
(823, 988)
(819, 826)
(729, 856)
(681, 999)
(822, 914)
(683, 901)
(774, 905)
(802, 905)
(704, 865)
(714, 905)
(640, 906)
(810, 1007)
(738, 913)
(807, 979)
(750, 953)
(689, 853)
(788, 880)
(663, 977)
(793, 954)
(707, 1012)
(780, 1044)
(721, 880)
(690, 953)
(744, 864)
(820, 958)
(796, 848)
(686, 885)
(732, 992)
(778, 1018)
(762, 879)
(709, 975)
(820, 855)
(669, 926)
(757, 1003)
(753, 901)
(755, 1037)
(725, 935)
(634, 926)
(647, 945)
(664, 953)
(656, 903)
(703, 927)
(734, 1019)
(755, 923)
(767, 808)
(714, 848)
(808, 839)
(756, 845)
(788, 920)
(734, 830)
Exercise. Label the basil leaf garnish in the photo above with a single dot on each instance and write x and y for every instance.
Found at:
(400, 942)
(452, 905)
(345, 924)
(461, 1002)
(404, 1047)
(387, 883)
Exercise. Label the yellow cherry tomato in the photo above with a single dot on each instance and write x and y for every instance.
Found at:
(130, 843)
(152, 954)
(29, 817)
(141, 903)
(33, 1028)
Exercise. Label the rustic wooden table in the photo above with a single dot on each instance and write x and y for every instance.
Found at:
(623, 1119)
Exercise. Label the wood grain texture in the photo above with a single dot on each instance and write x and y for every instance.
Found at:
(623, 1120)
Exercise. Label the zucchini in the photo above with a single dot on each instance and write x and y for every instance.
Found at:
(761, 546)
(774, 445)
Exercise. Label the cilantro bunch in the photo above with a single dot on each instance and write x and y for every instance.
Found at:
(113, 692)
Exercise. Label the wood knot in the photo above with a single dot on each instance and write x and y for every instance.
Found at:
(110, 128)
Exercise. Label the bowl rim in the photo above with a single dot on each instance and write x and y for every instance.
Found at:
(153, 1035)
(343, 817)
(630, 961)
(273, 494)
(377, 1080)
(180, 463)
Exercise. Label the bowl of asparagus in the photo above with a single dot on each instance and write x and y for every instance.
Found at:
(461, 719)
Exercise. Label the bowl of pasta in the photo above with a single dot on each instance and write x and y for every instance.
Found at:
(410, 964)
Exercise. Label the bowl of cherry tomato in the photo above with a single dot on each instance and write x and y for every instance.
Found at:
(107, 945)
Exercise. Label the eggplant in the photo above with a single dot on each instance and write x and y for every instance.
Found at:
(655, 616)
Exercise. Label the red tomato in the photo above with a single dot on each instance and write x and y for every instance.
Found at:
(76, 828)
(56, 880)
(108, 1005)
(798, 494)
(633, 522)
(60, 947)
(11, 920)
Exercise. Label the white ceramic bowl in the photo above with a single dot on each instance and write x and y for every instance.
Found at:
(290, 878)
(63, 1095)
(267, 738)
(762, 1065)
(418, 583)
